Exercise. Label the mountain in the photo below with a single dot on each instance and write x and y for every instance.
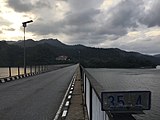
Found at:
(158, 55)
(32, 43)
(52, 51)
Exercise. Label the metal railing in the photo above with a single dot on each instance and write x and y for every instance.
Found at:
(92, 100)
(32, 70)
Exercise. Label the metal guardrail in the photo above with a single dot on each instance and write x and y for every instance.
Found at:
(92, 99)
(37, 70)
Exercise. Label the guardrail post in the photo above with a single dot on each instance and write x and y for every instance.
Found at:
(38, 68)
(18, 71)
(85, 88)
(10, 72)
(35, 69)
(90, 101)
(31, 69)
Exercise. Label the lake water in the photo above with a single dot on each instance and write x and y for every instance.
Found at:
(132, 80)
(4, 72)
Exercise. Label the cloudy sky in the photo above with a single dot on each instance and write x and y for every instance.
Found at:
(132, 25)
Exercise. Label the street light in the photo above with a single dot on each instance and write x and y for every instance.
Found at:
(25, 25)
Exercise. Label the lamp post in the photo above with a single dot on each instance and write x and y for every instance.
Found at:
(25, 25)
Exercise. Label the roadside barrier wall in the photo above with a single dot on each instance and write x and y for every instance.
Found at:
(92, 98)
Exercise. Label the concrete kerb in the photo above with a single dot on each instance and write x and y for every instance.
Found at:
(63, 109)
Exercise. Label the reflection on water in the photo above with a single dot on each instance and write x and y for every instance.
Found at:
(135, 80)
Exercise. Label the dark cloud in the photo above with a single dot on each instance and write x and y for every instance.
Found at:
(26, 6)
(73, 23)
(20, 6)
(81, 18)
(84, 24)
(122, 17)
(83, 5)
(152, 16)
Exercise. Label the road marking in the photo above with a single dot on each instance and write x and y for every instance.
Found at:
(64, 114)
(67, 104)
(70, 92)
(69, 97)
(62, 103)
(72, 88)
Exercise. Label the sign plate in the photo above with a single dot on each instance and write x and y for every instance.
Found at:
(127, 101)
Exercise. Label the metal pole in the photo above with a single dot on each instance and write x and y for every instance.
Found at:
(24, 52)
(25, 25)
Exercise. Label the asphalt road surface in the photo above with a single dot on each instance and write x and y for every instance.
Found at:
(35, 98)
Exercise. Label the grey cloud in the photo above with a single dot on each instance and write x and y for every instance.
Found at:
(83, 25)
(152, 17)
(82, 22)
(26, 6)
(123, 16)
(88, 25)
(42, 4)
(83, 5)
(126, 13)
(9, 29)
(81, 18)
(20, 6)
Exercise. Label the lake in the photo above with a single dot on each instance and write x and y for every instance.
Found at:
(132, 80)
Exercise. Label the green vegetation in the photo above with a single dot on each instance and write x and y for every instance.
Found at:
(46, 52)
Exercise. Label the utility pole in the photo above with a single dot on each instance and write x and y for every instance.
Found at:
(25, 25)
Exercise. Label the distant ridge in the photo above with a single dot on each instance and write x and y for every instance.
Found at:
(46, 51)
(31, 42)
(158, 55)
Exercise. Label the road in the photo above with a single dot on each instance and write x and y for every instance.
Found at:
(35, 98)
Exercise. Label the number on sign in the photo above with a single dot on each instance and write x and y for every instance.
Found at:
(139, 100)
(113, 101)
(120, 100)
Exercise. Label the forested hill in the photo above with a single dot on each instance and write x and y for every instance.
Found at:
(52, 51)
